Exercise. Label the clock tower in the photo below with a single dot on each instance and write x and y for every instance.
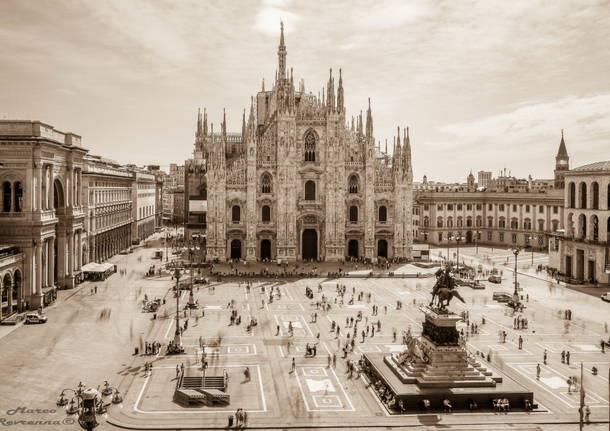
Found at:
(562, 164)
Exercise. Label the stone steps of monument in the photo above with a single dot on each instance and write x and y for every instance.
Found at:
(448, 383)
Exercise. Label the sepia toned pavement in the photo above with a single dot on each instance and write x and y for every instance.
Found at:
(80, 344)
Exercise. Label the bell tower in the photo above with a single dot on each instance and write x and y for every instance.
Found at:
(562, 164)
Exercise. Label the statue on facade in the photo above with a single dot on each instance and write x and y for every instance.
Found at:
(443, 290)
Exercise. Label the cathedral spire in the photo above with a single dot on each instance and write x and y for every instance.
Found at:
(407, 144)
(224, 123)
(243, 126)
(340, 96)
(199, 123)
(281, 54)
(330, 93)
(263, 87)
(369, 121)
(205, 122)
(562, 152)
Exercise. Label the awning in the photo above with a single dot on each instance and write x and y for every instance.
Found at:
(97, 267)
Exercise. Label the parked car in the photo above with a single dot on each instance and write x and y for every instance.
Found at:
(35, 318)
(477, 285)
(606, 297)
(502, 296)
(495, 279)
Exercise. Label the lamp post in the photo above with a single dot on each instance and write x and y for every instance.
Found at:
(177, 336)
(87, 402)
(516, 250)
(531, 240)
(458, 238)
(476, 241)
(166, 247)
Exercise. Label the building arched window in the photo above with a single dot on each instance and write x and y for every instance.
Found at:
(583, 195)
(426, 221)
(266, 214)
(439, 222)
(555, 224)
(18, 193)
(310, 191)
(502, 223)
(353, 214)
(595, 195)
(266, 183)
(383, 214)
(310, 146)
(449, 221)
(468, 221)
(236, 214)
(527, 224)
(6, 196)
(514, 223)
(572, 195)
(490, 221)
(460, 221)
(479, 221)
(353, 184)
(540, 224)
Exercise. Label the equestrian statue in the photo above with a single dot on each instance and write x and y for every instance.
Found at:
(443, 290)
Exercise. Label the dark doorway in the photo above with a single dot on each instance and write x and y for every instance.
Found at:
(591, 272)
(352, 248)
(310, 244)
(236, 249)
(580, 264)
(265, 249)
(469, 237)
(382, 248)
(58, 195)
(569, 266)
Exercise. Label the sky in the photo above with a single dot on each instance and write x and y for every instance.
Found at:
(483, 85)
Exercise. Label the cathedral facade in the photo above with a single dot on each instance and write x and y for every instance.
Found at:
(301, 181)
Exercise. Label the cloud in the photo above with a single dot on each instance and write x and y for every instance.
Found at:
(527, 138)
(388, 14)
(269, 17)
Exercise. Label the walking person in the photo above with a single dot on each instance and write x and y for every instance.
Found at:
(293, 366)
(568, 358)
(544, 356)
(537, 371)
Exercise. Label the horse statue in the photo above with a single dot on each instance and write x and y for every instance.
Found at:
(445, 296)
(443, 280)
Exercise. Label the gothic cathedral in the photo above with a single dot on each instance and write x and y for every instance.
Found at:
(300, 182)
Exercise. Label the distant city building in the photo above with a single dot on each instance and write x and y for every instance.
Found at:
(483, 178)
(509, 211)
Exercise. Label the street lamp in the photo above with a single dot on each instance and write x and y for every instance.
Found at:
(177, 336)
(531, 240)
(516, 250)
(87, 402)
(166, 258)
(476, 241)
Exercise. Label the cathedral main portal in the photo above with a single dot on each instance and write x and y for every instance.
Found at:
(310, 244)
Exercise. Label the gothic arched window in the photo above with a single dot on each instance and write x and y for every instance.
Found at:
(353, 184)
(383, 214)
(266, 214)
(236, 214)
(353, 214)
(310, 191)
(266, 183)
(310, 147)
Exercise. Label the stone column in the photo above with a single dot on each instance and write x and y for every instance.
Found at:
(36, 296)
(79, 260)
(50, 186)
(52, 261)
(70, 254)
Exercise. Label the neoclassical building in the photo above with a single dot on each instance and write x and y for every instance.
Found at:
(300, 182)
(507, 212)
(582, 252)
(108, 190)
(42, 206)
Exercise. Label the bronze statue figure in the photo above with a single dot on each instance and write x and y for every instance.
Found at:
(444, 289)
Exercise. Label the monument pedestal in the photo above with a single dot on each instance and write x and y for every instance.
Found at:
(438, 367)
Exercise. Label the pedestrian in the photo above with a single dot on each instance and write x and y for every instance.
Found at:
(520, 342)
(603, 344)
(293, 366)
(277, 330)
(563, 356)
(247, 374)
(568, 358)
(537, 371)
(177, 370)
(544, 355)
